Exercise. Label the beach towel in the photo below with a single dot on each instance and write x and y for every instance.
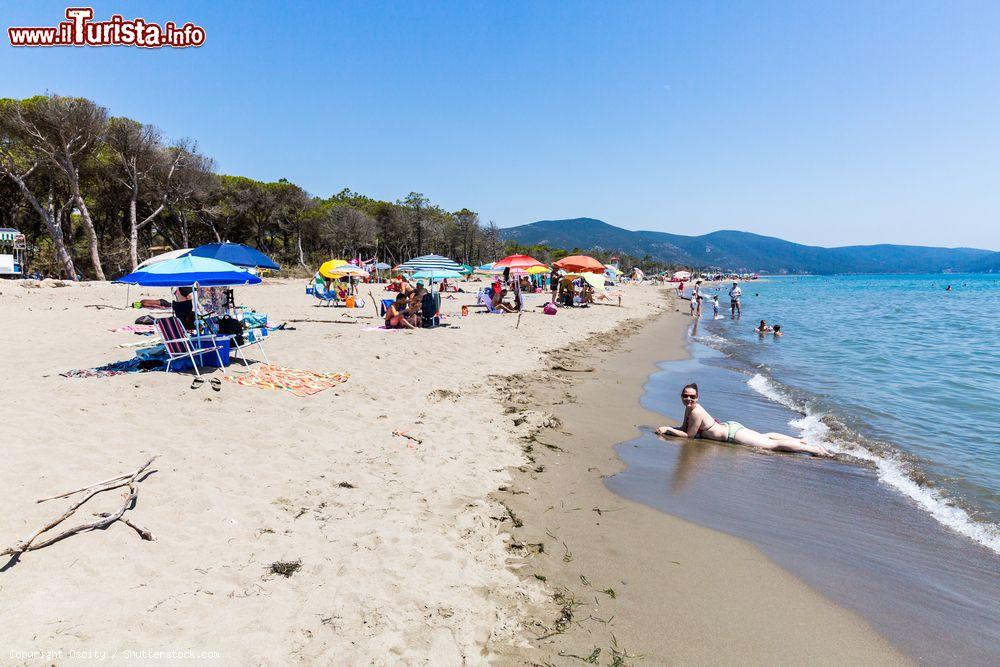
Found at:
(294, 380)
(140, 329)
(134, 365)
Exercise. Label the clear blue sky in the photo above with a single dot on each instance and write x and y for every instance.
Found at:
(836, 123)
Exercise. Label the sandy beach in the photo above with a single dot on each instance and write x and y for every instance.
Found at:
(409, 550)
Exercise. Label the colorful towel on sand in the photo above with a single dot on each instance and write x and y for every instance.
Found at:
(297, 381)
(141, 329)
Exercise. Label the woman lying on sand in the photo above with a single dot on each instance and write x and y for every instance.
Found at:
(699, 424)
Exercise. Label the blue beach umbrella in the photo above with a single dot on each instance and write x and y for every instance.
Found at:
(190, 271)
(236, 254)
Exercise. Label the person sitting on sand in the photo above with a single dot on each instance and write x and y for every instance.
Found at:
(501, 305)
(413, 305)
(395, 315)
(762, 328)
(699, 424)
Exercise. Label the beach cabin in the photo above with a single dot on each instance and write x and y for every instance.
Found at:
(12, 247)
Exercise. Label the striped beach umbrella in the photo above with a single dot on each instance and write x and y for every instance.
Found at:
(430, 263)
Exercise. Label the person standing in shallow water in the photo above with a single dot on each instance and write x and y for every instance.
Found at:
(699, 424)
(734, 300)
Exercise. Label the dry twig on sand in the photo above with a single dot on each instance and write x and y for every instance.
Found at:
(105, 519)
(405, 434)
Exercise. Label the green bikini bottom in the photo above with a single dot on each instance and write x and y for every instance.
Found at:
(732, 428)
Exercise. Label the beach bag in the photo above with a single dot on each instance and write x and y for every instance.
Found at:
(428, 311)
(231, 327)
(550, 309)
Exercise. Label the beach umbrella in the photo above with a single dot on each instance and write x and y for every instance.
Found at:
(535, 270)
(487, 269)
(190, 271)
(236, 254)
(328, 267)
(512, 262)
(382, 266)
(345, 271)
(467, 269)
(580, 264)
(682, 275)
(433, 275)
(162, 257)
(429, 262)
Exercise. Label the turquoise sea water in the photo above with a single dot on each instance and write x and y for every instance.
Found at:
(893, 370)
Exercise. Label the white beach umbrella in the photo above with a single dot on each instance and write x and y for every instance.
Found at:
(162, 257)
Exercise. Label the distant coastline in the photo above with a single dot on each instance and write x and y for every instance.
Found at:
(743, 252)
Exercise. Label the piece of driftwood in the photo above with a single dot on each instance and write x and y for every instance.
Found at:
(143, 532)
(405, 434)
(560, 367)
(86, 488)
(104, 520)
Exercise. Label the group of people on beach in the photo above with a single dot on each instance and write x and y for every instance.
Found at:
(413, 307)
(696, 298)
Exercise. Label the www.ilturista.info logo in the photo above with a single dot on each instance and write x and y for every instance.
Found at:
(80, 30)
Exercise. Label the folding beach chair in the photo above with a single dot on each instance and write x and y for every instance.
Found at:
(181, 346)
(486, 299)
(386, 304)
(325, 297)
(251, 337)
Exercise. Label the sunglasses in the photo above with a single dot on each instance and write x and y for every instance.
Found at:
(691, 396)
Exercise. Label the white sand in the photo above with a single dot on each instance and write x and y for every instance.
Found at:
(407, 567)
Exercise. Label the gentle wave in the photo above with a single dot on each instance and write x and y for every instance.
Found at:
(891, 465)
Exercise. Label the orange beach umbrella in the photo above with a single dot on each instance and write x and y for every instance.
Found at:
(580, 264)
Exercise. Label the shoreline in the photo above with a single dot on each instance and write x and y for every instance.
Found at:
(631, 580)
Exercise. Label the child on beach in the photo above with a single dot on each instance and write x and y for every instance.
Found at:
(715, 307)
(777, 330)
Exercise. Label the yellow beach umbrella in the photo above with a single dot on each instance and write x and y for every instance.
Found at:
(535, 270)
(330, 267)
(348, 270)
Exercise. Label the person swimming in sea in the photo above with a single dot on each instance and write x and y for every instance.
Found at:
(762, 328)
(777, 331)
(699, 424)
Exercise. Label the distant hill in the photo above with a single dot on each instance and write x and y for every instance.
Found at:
(745, 252)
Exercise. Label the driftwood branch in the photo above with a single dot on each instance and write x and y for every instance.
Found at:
(405, 434)
(105, 520)
(144, 533)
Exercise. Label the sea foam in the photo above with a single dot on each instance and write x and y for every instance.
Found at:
(891, 468)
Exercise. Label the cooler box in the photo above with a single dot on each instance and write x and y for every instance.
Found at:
(206, 359)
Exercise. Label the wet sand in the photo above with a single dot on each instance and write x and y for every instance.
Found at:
(631, 581)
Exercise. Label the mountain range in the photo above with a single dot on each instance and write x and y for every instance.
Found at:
(746, 252)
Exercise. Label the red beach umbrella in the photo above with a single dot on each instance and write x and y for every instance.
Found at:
(580, 264)
(523, 262)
